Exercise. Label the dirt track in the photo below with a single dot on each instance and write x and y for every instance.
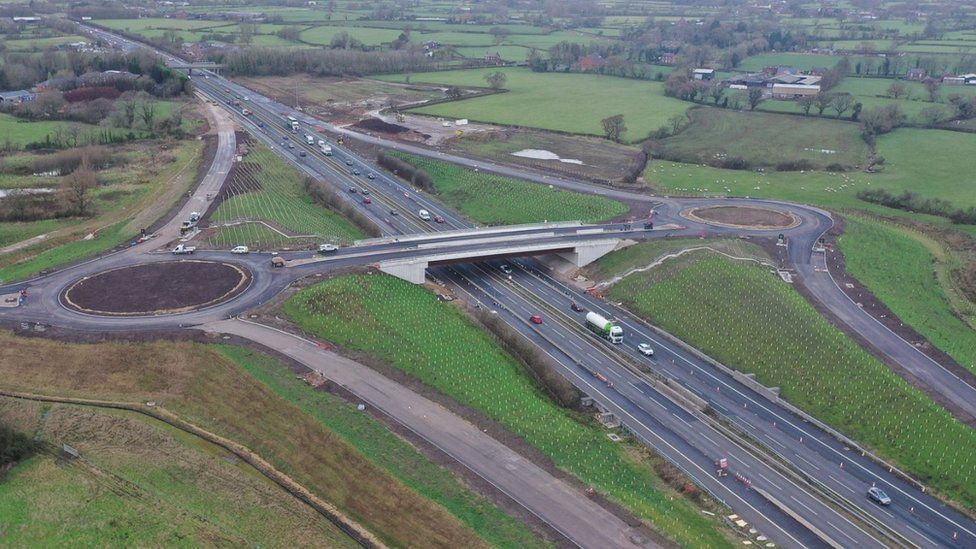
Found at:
(157, 288)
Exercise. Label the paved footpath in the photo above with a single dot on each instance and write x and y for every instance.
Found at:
(560, 505)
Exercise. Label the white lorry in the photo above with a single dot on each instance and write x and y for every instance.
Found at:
(183, 249)
(604, 328)
(325, 148)
(309, 139)
(424, 214)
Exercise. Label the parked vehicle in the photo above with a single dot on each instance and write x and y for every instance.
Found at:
(604, 328)
(424, 214)
(645, 349)
(240, 250)
(183, 249)
(328, 248)
(878, 496)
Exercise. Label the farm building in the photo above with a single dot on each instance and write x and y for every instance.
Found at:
(794, 91)
(15, 97)
(917, 74)
(667, 58)
(703, 74)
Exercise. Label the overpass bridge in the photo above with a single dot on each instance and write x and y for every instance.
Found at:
(188, 67)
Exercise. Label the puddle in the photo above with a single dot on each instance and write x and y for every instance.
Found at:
(540, 154)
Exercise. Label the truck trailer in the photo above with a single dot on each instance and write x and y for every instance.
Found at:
(604, 328)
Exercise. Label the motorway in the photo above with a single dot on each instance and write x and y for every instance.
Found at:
(805, 487)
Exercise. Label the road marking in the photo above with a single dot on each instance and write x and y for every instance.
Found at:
(838, 481)
(636, 386)
(923, 536)
(774, 440)
(841, 531)
(806, 460)
(803, 505)
(679, 418)
(733, 456)
(655, 401)
(771, 483)
(709, 439)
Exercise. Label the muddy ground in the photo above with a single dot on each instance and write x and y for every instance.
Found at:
(157, 288)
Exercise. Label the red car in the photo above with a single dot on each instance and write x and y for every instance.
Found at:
(536, 319)
(438, 219)
(367, 200)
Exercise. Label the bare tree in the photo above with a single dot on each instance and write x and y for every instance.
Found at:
(496, 80)
(499, 34)
(676, 121)
(755, 97)
(806, 103)
(614, 127)
(897, 90)
(716, 91)
(77, 188)
(822, 100)
(932, 87)
(842, 103)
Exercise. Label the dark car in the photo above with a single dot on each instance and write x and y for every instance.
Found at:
(302, 154)
(260, 124)
(394, 212)
(353, 190)
(576, 307)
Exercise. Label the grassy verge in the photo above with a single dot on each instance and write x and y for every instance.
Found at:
(266, 188)
(498, 200)
(387, 451)
(408, 328)
(203, 386)
(752, 321)
(142, 483)
(899, 270)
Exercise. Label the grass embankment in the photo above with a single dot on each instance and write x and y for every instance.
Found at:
(752, 321)
(498, 200)
(715, 136)
(405, 326)
(899, 270)
(567, 102)
(129, 190)
(142, 483)
(277, 420)
(266, 188)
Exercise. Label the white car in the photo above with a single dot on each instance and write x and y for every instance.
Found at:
(645, 349)
(328, 248)
(240, 250)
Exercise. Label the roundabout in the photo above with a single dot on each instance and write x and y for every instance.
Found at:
(158, 288)
(743, 217)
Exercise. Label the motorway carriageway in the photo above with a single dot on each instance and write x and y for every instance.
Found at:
(929, 516)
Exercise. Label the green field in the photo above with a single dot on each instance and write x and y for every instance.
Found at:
(750, 320)
(265, 188)
(256, 401)
(387, 451)
(370, 37)
(924, 161)
(898, 269)
(715, 135)
(568, 102)
(17, 132)
(497, 200)
(407, 327)
(142, 483)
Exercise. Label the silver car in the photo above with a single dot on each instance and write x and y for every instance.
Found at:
(878, 495)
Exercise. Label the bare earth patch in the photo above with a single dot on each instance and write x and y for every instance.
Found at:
(743, 217)
(157, 288)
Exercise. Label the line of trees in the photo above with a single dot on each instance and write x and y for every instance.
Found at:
(324, 195)
(914, 202)
(322, 62)
(406, 171)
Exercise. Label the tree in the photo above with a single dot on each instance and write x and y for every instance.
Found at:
(755, 97)
(932, 87)
(496, 80)
(806, 103)
(77, 187)
(856, 111)
(499, 34)
(897, 90)
(129, 107)
(716, 91)
(842, 103)
(147, 113)
(246, 32)
(676, 121)
(965, 106)
(933, 115)
(614, 127)
(822, 100)
(881, 120)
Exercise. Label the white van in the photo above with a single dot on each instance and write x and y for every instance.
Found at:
(424, 214)
(240, 250)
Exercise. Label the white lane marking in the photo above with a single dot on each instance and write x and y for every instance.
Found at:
(838, 481)
(717, 445)
(733, 456)
(774, 440)
(800, 503)
(810, 463)
(923, 536)
(771, 483)
(834, 526)
(636, 386)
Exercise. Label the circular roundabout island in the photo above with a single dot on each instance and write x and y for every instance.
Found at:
(160, 288)
(743, 217)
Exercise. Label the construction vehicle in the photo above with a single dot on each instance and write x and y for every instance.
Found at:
(277, 261)
(604, 328)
